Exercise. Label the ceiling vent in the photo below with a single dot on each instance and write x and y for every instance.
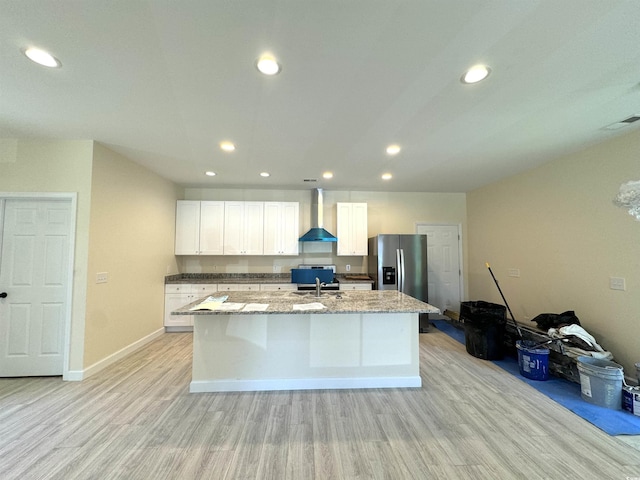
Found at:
(622, 123)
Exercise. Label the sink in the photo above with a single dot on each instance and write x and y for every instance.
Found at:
(324, 294)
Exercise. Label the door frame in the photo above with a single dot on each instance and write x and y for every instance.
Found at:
(460, 249)
(73, 198)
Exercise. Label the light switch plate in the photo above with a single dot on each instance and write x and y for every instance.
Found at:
(513, 272)
(102, 277)
(617, 283)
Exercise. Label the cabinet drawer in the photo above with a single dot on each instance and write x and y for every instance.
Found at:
(238, 287)
(177, 288)
(355, 286)
(204, 288)
(278, 287)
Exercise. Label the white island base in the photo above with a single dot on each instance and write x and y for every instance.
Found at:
(305, 351)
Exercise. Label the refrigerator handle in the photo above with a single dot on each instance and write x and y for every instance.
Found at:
(402, 267)
(398, 270)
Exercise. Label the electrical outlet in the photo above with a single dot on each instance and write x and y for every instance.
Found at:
(348, 268)
(276, 269)
(513, 272)
(102, 277)
(617, 283)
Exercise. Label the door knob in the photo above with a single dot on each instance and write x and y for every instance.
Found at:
(3, 295)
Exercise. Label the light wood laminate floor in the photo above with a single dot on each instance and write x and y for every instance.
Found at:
(136, 420)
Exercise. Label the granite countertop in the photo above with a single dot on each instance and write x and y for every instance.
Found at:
(373, 301)
(195, 278)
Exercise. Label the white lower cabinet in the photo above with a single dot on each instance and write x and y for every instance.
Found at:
(355, 286)
(179, 295)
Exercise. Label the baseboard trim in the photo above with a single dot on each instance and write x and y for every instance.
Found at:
(78, 375)
(201, 386)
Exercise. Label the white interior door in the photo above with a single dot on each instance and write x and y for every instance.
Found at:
(34, 257)
(444, 252)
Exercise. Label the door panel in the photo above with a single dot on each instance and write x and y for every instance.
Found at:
(33, 272)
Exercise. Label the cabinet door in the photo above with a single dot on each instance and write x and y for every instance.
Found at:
(272, 228)
(281, 228)
(233, 228)
(173, 301)
(352, 228)
(211, 228)
(253, 228)
(187, 227)
(243, 228)
(290, 228)
(359, 232)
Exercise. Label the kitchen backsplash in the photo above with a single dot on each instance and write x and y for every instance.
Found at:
(266, 264)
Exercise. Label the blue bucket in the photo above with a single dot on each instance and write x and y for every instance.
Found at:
(533, 362)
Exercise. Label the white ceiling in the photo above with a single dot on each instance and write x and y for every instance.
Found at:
(164, 81)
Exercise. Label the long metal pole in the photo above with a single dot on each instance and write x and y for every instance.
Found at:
(505, 300)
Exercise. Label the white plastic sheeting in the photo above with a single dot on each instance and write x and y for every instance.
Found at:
(629, 198)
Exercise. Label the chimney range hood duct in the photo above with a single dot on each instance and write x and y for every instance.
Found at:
(317, 233)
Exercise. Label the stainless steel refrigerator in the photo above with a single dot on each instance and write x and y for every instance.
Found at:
(399, 262)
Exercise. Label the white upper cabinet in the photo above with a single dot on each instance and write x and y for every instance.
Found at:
(281, 228)
(199, 228)
(211, 228)
(352, 228)
(243, 228)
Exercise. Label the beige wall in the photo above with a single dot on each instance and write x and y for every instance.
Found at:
(388, 212)
(557, 224)
(60, 166)
(125, 226)
(131, 237)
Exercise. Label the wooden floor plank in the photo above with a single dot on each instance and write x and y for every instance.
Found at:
(137, 420)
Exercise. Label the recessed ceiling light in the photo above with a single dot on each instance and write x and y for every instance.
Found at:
(475, 74)
(268, 65)
(210, 173)
(227, 146)
(42, 58)
(393, 149)
(265, 174)
(327, 175)
(387, 176)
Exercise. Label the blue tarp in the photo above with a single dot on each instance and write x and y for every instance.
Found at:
(566, 393)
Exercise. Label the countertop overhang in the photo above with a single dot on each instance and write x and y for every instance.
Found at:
(373, 301)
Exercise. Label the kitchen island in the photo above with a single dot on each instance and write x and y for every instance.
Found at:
(295, 340)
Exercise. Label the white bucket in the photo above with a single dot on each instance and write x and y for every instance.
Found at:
(601, 382)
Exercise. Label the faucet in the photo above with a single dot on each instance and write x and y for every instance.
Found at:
(319, 286)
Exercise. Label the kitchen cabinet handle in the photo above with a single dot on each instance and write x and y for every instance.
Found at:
(3, 295)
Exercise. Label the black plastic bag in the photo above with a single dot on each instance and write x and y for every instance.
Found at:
(546, 321)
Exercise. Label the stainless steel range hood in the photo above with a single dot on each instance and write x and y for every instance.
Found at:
(317, 233)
